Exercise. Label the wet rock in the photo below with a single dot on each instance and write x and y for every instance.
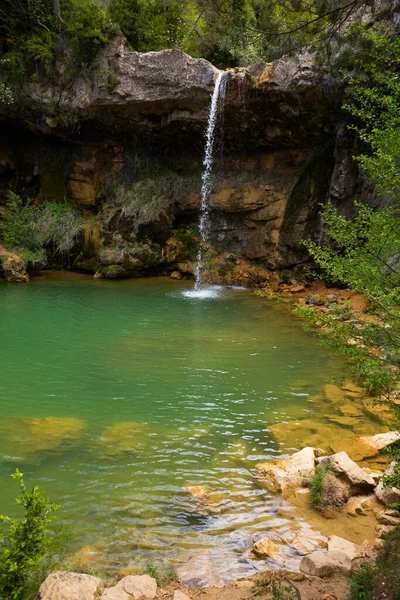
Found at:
(386, 494)
(334, 393)
(60, 585)
(176, 275)
(370, 446)
(197, 492)
(124, 437)
(14, 269)
(343, 465)
(307, 541)
(324, 564)
(33, 438)
(359, 505)
(137, 587)
(288, 473)
(266, 548)
(338, 544)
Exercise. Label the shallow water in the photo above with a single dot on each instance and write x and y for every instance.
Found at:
(169, 390)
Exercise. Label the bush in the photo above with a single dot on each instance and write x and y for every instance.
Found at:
(25, 542)
(316, 482)
(362, 583)
(28, 229)
(163, 575)
(87, 27)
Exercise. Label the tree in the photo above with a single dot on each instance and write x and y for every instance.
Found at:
(364, 254)
(25, 541)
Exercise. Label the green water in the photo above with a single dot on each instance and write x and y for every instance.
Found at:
(195, 384)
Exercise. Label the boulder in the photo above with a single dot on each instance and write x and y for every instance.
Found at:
(266, 548)
(347, 468)
(176, 275)
(134, 586)
(369, 446)
(334, 492)
(324, 564)
(288, 473)
(386, 494)
(338, 544)
(60, 585)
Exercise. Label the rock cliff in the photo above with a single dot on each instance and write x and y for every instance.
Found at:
(129, 133)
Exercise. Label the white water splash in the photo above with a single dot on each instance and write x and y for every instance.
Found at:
(217, 100)
(203, 293)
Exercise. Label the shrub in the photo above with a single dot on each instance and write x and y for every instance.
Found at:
(25, 542)
(28, 229)
(163, 575)
(88, 27)
(362, 583)
(316, 482)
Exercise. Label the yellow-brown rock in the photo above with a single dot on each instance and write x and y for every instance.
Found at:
(31, 438)
(124, 438)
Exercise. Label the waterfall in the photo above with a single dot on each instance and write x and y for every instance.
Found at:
(217, 102)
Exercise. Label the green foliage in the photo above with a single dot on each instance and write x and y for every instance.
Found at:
(25, 541)
(362, 583)
(163, 575)
(28, 228)
(374, 89)
(383, 580)
(88, 27)
(316, 482)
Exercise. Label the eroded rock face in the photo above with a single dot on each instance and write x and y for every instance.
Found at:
(85, 135)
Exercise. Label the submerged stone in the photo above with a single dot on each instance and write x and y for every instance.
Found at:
(32, 438)
(123, 438)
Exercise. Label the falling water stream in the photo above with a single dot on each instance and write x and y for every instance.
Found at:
(217, 101)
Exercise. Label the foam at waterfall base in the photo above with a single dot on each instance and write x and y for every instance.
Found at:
(204, 293)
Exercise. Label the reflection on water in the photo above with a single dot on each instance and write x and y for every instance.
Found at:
(116, 397)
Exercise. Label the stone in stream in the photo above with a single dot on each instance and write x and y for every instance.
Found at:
(124, 438)
(369, 446)
(33, 438)
(137, 587)
(266, 548)
(60, 585)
